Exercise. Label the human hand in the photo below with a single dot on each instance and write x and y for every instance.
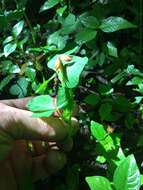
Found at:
(17, 128)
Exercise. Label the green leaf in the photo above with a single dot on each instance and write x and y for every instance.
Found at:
(98, 183)
(92, 99)
(85, 35)
(105, 90)
(61, 10)
(72, 70)
(121, 104)
(131, 70)
(5, 81)
(20, 88)
(89, 21)
(97, 131)
(101, 159)
(6, 65)
(30, 73)
(135, 81)
(41, 103)
(69, 24)
(61, 98)
(9, 48)
(105, 111)
(127, 175)
(49, 4)
(45, 104)
(17, 29)
(112, 24)
(57, 40)
(8, 39)
(9, 16)
(142, 179)
(14, 69)
(100, 134)
(112, 50)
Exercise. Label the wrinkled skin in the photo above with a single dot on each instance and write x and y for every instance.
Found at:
(21, 165)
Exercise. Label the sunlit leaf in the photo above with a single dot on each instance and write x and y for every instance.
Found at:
(112, 24)
(9, 48)
(41, 103)
(112, 50)
(98, 183)
(17, 29)
(127, 175)
(49, 4)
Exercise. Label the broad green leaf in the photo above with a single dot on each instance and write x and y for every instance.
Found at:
(9, 16)
(98, 183)
(135, 81)
(132, 70)
(69, 24)
(100, 134)
(92, 99)
(17, 29)
(41, 103)
(5, 66)
(9, 48)
(20, 88)
(45, 105)
(127, 175)
(5, 81)
(72, 70)
(85, 35)
(57, 41)
(14, 69)
(121, 103)
(98, 131)
(61, 10)
(89, 21)
(8, 67)
(49, 4)
(8, 39)
(112, 50)
(112, 24)
(105, 111)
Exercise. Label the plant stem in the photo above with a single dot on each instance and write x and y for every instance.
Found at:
(30, 26)
(28, 22)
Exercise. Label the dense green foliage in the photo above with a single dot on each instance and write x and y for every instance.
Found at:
(88, 52)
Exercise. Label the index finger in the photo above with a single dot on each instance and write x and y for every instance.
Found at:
(17, 103)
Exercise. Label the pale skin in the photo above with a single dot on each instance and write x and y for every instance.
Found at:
(20, 165)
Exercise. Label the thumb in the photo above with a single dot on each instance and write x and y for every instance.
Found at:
(20, 124)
